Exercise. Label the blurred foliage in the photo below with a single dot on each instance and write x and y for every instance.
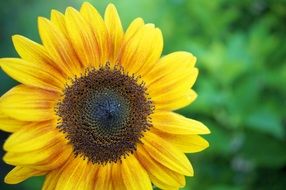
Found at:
(240, 46)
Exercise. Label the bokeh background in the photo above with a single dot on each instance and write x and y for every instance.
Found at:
(241, 51)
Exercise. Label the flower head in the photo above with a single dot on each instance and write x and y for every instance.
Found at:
(94, 109)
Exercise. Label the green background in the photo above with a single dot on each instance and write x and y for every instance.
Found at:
(241, 51)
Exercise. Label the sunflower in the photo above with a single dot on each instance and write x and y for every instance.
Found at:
(94, 109)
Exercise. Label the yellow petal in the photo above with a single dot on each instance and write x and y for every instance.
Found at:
(58, 19)
(166, 154)
(133, 29)
(186, 143)
(174, 123)
(157, 170)
(115, 31)
(59, 47)
(161, 184)
(116, 176)
(37, 55)
(174, 100)
(33, 137)
(103, 178)
(37, 157)
(56, 160)
(38, 146)
(61, 177)
(29, 103)
(9, 124)
(134, 175)
(176, 83)
(92, 169)
(93, 18)
(31, 74)
(142, 51)
(52, 178)
(172, 64)
(170, 80)
(58, 23)
(174, 93)
(74, 175)
(81, 37)
(19, 174)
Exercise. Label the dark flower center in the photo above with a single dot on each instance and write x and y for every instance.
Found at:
(104, 114)
(106, 110)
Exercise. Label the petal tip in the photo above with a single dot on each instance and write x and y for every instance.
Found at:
(54, 11)
(42, 21)
(111, 6)
(16, 37)
(87, 4)
(110, 11)
(5, 147)
(207, 144)
(203, 129)
(9, 180)
(207, 129)
(5, 159)
(70, 10)
(139, 19)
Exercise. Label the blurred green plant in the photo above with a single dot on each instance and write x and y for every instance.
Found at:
(240, 46)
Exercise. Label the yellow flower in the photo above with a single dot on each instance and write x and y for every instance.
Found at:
(94, 109)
